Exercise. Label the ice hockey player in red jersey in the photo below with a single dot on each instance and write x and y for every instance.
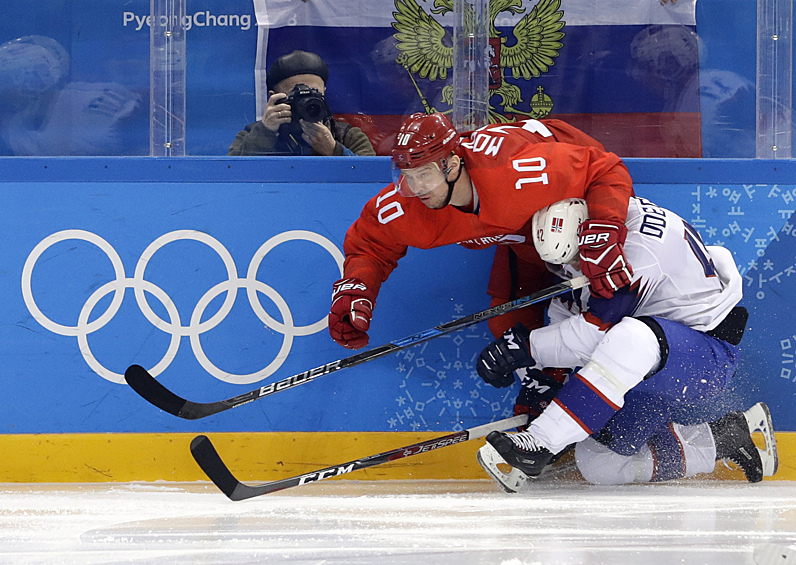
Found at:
(478, 190)
(668, 339)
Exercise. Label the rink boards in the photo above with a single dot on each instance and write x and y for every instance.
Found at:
(218, 281)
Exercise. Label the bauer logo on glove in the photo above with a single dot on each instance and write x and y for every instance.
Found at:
(348, 284)
(593, 239)
(602, 256)
(351, 312)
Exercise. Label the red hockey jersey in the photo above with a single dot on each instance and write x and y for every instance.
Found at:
(516, 169)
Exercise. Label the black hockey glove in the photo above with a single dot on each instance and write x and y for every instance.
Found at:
(539, 388)
(499, 359)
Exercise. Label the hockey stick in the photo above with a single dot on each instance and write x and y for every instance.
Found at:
(209, 460)
(155, 393)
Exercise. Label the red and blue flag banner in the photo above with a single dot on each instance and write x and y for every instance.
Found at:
(625, 71)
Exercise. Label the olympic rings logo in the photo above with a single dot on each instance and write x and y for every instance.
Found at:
(174, 325)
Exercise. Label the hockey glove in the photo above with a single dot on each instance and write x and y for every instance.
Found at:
(602, 256)
(351, 312)
(539, 388)
(499, 359)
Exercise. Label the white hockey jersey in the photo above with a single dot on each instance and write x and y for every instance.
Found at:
(675, 276)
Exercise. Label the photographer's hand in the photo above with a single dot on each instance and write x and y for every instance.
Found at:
(319, 137)
(276, 113)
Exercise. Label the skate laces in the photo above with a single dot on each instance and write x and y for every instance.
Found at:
(525, 441)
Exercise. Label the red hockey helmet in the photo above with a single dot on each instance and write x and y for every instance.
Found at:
(424, 138)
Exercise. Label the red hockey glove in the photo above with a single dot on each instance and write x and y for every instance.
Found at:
(602, 256)
(352, 309)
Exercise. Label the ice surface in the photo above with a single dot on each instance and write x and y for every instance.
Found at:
(398, 522)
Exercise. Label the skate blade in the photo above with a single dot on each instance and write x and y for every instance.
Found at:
(758, 418)
(511, 482)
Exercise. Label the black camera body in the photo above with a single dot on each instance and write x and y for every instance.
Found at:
(306, 104)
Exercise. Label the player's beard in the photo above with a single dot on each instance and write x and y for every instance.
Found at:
(434, 202)
(439, 197)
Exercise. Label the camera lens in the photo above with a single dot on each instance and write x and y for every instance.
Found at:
(313, 111)
(307, 104)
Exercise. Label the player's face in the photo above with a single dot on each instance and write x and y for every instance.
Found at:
(437, 198)
(428, 183)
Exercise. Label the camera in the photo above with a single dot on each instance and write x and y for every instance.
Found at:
(307, 104)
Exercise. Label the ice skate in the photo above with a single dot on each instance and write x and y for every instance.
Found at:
(510, 479)
(733, 436)
(521, 451)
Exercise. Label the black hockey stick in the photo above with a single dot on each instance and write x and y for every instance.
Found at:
(209, 460)
(155, 393)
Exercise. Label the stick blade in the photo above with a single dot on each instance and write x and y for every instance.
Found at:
(152, 391)
(206, 456)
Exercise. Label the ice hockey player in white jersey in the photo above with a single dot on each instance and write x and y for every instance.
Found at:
(668, 339)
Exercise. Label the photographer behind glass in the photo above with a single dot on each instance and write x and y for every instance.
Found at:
(297, 120)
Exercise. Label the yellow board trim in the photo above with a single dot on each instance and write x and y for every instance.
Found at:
(256, 457)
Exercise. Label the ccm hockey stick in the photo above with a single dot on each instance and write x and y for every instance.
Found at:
(209, 460)
(155, 393)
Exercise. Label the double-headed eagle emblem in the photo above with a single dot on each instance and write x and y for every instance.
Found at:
(425, 51)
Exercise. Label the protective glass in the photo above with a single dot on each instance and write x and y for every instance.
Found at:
(418, 181)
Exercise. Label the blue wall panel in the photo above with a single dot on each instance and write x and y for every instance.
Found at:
(81, 234)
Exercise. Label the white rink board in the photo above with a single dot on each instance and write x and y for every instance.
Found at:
(418, 523)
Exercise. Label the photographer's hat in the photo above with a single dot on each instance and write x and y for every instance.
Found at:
(296, 63)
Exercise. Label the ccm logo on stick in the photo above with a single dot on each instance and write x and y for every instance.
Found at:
(320, 475)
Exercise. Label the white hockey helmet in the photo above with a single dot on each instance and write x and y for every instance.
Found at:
(555, 230)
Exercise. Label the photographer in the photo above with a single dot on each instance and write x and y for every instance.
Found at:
(297, 120)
